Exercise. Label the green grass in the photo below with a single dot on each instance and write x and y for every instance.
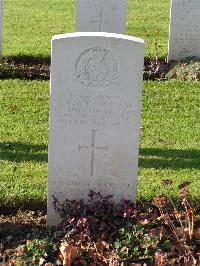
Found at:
(24, 127)
(29, 25)
(170, 115)
(169, 139)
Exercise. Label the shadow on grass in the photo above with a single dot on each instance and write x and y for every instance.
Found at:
(19, 152)
(149, 157)
(169, 158)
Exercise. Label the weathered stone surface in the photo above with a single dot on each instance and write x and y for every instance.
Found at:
(101, 16)
(96, 82)
(184, 36)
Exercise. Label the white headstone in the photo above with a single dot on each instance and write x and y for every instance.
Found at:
(96, 83)
(1, 26)
(101, 16)
(184, 36)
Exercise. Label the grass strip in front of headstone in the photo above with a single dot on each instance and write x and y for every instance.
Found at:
(23, 141)
(168, 147)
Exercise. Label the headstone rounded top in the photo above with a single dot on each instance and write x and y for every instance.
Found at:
(96, 67)
(60, 37)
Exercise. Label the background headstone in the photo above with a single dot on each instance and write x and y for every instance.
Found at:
(1, 26)
(184, 36)
(96, 82)
(101, 16)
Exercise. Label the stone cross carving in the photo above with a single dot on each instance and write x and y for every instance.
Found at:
(92, 147)
(100, 22)
(101, 16)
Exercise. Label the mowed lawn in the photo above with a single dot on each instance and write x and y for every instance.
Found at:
(168, 150)
(170, 116)
(29, 25)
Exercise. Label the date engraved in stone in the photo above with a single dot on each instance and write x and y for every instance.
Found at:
(96, 67)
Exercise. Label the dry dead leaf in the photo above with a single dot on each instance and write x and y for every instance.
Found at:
(69, 253)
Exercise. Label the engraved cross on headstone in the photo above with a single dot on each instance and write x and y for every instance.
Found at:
(100, 22)
(92, 147)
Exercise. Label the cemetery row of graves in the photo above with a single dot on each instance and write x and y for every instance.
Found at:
(83, 138)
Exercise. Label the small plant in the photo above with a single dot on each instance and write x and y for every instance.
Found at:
(99, 216)
(187, 69)
(180, 221)
(134, 242)
(157, 46)
(101, 231)
(37, 251)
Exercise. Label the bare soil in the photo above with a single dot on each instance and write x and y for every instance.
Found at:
(17, 228)
(39, 68)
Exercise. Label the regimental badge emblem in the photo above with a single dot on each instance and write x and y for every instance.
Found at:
(96, 67)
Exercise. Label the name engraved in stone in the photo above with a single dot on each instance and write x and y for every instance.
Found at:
(96, 110)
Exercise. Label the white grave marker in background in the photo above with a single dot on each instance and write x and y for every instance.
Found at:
(101, 16)
(184, 36)
(1, 26)
(96, 84)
